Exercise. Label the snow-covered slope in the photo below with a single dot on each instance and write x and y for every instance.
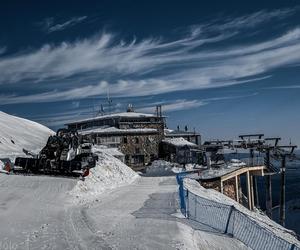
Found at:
(108, 174)
(18, 133)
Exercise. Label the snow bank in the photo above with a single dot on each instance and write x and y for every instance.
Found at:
(263, 220)
(193, 166)
(162, 168)
(18, 133)
(108, 174)
(179, 142)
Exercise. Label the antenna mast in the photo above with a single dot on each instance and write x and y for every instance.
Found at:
(109, 100)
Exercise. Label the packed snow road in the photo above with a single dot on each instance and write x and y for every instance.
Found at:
(36, 212)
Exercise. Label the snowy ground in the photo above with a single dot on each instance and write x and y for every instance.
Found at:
(18, 133)
(37, 212)
(112, 209)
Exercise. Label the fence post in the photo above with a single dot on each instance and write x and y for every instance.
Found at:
(187, 204)
(228, 220)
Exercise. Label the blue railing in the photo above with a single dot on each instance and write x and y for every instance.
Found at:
(229, 220)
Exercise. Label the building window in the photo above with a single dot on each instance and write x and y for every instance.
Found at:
(136, 140)
(137, 159)
(125, 140)
(137, 150)
(127, 159)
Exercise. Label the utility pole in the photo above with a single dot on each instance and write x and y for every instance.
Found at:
(282, 190)
(268, 187)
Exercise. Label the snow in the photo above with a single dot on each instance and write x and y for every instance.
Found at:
(18, 133)
(263, 220)
(210, 173)
(117, 115)
(108, 174)
(198, 239)
(117, 130)
(215, 172)
(179, 142)
(167, 130)
(193, 166)
(162, 168)
(107, 150)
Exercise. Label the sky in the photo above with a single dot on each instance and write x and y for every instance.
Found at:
(221, 67)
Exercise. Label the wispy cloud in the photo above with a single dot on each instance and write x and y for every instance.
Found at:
(151, 66)
(252, 20)
(184, 104)
(120, 89)
(50, 26)
(285, 87)
(2, 50)
(175, 105)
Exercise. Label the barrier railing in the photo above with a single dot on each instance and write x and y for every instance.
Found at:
(229, 220)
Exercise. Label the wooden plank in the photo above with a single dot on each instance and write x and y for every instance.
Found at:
(258, 170)
(237, 188)
(221, 186)
(249, 191)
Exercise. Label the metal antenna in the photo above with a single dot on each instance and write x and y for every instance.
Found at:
(109, 100)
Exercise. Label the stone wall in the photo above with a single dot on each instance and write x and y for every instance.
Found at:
(134, 146)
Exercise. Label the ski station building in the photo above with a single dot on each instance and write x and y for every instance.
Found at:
(136, 135)
(142, 138)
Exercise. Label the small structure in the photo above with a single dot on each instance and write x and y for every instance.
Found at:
(180, 151)
(227, 180)
(190, 136)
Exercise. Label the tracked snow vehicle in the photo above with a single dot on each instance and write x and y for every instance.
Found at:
(64, 154)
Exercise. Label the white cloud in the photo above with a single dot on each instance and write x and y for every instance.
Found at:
(119, 89)
(175, 105)
(151, 66)
(252, 20)
(49, 26)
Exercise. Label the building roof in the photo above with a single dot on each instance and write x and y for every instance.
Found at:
(179, 142)
(224, 173)
(111, 151)
(179, 133)
(115, 115)
(114, 130)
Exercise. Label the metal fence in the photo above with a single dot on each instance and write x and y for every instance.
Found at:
(227, 219)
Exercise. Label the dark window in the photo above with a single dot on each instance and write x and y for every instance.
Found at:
(137, 159)
(125, 139)
(137, 150)
(127, 159)
(136, 140)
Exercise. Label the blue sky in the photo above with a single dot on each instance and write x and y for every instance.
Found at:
(222, 68)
